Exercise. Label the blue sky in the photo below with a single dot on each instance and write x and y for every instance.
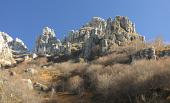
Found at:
(26, 18)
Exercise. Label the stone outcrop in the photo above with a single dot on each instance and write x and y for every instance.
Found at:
(9, 48)
(164, 53)
(17, 45)
(5, 52)
(99, 34)
(92, 39)
(148, 53)
(120, 29)
(47, 44)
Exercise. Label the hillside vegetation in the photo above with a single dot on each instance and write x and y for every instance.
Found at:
(112, 78)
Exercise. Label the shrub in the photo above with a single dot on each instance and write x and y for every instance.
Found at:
(90, 75)
(103, 83)
(68, 71)
(75, 84)
(125, 83)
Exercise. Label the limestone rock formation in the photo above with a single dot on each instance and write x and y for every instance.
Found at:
(121, 30)
(47, 44)
(5, 52)
(17, 45)
(10, 48)
(92, 39)
(99, 34)
(97, 22)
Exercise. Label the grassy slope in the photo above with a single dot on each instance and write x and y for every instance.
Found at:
(108, 79)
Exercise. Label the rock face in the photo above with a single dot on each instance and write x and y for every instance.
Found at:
(148, 53)
(47, 44)
(99, 34)
(17, 45)
(10, 47)
(5, 53)
(164, 53)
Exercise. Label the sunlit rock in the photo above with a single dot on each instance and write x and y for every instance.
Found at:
(47, 44)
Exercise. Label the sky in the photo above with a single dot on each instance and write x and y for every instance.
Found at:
(26, 18)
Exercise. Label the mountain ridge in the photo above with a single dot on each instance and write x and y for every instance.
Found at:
(94, 39)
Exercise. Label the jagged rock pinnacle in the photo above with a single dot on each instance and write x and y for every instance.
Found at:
(47, 44)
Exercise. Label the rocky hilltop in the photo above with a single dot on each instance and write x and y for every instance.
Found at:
(92, 39)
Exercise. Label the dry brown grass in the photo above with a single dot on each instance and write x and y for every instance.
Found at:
(117, 55)
(14, 90)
